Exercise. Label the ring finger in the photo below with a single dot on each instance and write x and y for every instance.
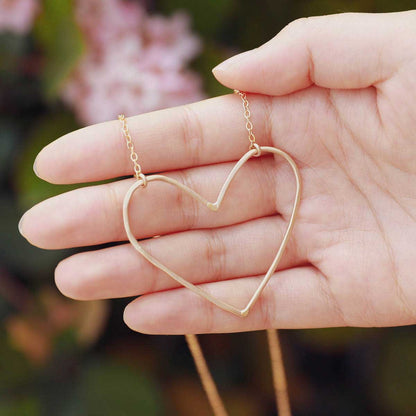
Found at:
(199, 256)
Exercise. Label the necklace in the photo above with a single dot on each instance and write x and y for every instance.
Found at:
(142, 181)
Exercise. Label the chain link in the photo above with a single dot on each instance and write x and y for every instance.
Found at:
(247, 115)
(133, 155)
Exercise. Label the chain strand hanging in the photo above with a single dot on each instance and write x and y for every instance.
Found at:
(278, 371)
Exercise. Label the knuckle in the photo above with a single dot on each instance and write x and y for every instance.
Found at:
(303, 28)
(215, 255)
(266, 309)
(187, 206)
(191, 133)
(268, 119)
(209, 317)
(298, 25)
(111, 203)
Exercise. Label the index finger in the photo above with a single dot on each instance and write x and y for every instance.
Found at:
(201, 133)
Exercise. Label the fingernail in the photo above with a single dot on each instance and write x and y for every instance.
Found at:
(35, 167)
(20, 225)
(230, 62)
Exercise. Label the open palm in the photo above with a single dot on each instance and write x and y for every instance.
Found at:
(337, 93)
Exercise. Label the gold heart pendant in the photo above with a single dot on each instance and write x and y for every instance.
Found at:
(214, 206)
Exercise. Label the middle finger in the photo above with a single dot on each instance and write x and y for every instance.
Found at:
(93, 215)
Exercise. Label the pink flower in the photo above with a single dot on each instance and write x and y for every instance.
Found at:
(134, 63)
(104, 21)
(17, 16)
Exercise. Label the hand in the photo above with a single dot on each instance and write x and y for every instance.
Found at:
(340, 98)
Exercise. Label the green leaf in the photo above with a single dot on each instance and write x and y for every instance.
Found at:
(61, 41)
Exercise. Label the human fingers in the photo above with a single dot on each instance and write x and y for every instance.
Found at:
(205, 132)
(299, 297)
(93, 215)
(351, 50)
(198, 255)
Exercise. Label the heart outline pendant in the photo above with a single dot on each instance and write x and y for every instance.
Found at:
(214, 206)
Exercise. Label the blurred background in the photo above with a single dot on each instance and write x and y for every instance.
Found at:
(65, 64)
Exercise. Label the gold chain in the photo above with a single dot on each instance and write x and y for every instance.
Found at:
(133, 155)
(278, 372)
(247, 115)
(279, 377)
(277, 364)
(206, 378)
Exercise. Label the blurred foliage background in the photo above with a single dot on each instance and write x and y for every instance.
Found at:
(61, 357)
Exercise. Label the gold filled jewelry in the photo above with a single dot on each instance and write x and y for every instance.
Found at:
(143, 181)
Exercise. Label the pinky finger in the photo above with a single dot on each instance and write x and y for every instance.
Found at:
(294, 298)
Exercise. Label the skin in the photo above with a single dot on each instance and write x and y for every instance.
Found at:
(338, 94)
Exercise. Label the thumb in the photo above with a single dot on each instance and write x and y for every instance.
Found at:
(352, 50)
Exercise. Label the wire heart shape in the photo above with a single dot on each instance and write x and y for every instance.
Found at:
(214, 206)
